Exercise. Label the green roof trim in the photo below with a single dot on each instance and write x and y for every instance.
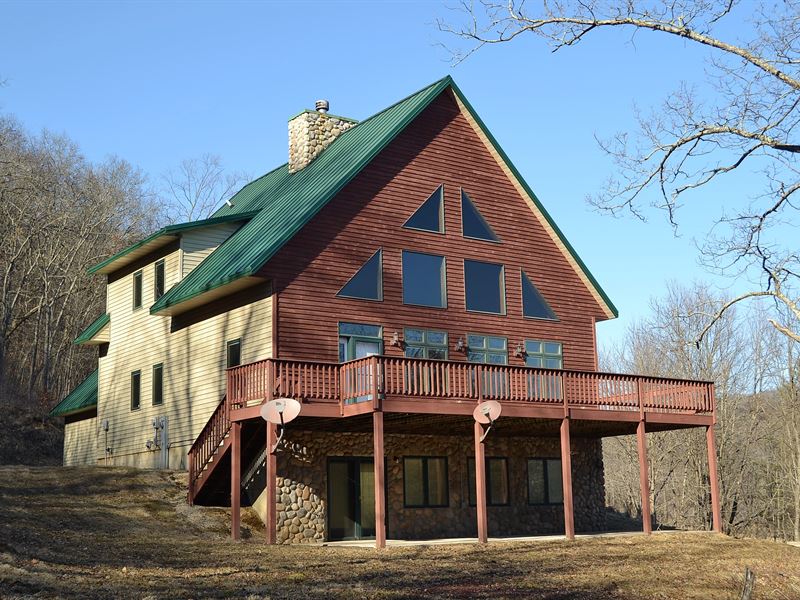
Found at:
(172, 230)
(294, 199)
(82, 398)
(536, 201)
(92, 330)
(287, 202)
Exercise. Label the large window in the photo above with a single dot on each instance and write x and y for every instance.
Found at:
(496, 481)
(233, 353)
(425, 343)
(429, 216)
(137, 290)
(136, 390)
(424, 279)
(367, 283)
(473, 225)
(425, 481)
(544, 481)
(159, 278)
(534, 305)
(488, 349)
(543, 354)
(484, 287)
(158, 384)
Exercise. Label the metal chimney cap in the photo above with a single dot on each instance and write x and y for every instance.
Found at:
(322, 106)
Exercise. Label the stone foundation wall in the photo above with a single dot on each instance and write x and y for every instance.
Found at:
(302, 471)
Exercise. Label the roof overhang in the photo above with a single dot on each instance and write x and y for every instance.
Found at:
(207, 296)
(97, 333)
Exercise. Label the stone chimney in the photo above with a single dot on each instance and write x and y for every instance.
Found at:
(311, 132)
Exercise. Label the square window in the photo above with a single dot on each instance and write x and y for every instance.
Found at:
(425, 481)
(424, 279)
(496, 481)
(484, 287)
(543, 354)
(545, 481)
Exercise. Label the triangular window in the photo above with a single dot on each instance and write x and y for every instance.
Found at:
(533, 303)
(429, 216)
(473, 225)
(367, 283)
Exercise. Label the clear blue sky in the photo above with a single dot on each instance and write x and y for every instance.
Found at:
(155, 83)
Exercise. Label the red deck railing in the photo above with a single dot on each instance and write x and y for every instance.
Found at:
(207, 443)
(410, 378)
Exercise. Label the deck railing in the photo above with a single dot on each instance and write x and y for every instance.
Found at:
(410, 378)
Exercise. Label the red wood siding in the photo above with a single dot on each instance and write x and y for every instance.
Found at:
(439, 147)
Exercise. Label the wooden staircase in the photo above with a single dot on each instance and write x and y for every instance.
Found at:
(209, 457)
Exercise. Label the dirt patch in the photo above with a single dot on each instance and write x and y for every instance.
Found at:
(122, 533)
(29, 440)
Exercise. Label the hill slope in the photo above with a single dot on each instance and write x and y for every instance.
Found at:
(99, 533)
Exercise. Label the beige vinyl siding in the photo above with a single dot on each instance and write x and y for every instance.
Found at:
(194, 363)
(198, 244)
(80, 442)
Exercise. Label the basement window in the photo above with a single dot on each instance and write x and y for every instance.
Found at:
(496, 481)
(425, 481)
(544, 481)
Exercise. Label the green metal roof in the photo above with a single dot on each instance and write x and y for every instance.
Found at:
(92, 330)
(291, 201)
(82, 398)
(287, 202)
(162, 237)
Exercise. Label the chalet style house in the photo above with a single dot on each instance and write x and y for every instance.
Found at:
(396, 274)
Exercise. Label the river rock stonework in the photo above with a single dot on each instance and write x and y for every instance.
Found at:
(302, 486)
(310, 133)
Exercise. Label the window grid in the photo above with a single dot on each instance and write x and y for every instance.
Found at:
(425, 343)
(489, 349)
(544, 354)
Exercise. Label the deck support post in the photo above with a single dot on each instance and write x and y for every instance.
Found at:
(644, 478)
(271, 484)
(566, 477)
(480, 486)
(714, 478)
(236, 478)
(378, 461)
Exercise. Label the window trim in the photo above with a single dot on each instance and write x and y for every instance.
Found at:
(443, 280)
(522, 276)
(138, 276)
(353, 338)
(486, 349)
(157, 366)
(159, 263)
(544, 460)
(137, 374)
(544, 355)
(463, 195)
(488, 483)
(503, 294)
(443, 230)
(339, 294)
(228, 345)
(425, 345)
(425, 486)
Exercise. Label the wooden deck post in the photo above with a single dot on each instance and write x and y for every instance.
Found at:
(480, 486)
(271, 485)
(378, 460)
(236, 478)
(644, 478)
(566, 477)
(713, 476)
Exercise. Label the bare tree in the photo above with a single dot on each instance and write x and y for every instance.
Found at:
(746, 121)
(198, 186)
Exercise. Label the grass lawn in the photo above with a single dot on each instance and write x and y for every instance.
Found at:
(121, 533)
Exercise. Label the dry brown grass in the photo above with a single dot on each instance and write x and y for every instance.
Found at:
(102, 533)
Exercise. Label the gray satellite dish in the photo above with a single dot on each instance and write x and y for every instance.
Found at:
(486, 413)
(279, 412)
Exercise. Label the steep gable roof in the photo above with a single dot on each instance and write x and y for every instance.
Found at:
(87, 335)
(287, 202)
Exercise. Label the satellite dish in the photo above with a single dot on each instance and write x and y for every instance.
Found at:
(486, 413)
(279, 412)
